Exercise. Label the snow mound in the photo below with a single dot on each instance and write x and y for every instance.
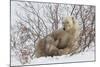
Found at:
(81, 57)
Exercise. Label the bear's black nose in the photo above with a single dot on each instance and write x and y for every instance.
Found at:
(64, 29)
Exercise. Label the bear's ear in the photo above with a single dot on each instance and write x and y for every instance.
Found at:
(73, 19)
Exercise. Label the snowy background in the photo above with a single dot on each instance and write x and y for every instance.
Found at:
(31, 21)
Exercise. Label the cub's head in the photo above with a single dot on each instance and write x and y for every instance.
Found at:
(50, 46)
(68, 23)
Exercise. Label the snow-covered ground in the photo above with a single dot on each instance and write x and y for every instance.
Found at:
(87, 55)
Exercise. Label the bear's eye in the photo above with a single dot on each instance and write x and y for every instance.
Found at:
(67, 22)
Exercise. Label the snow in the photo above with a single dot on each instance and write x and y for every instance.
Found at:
(88, 55)
(62, 59)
